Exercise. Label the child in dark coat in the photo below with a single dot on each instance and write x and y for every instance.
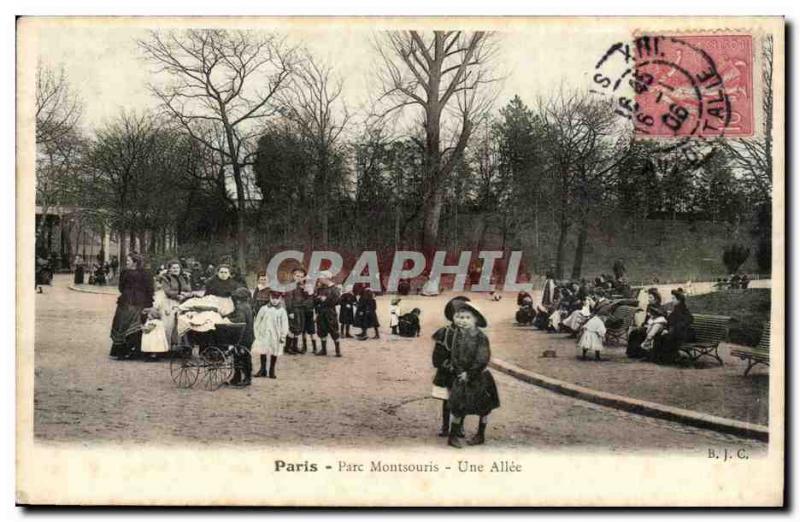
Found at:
(442, 348)
(366, 314)
(299, 305)
(347, 311)
(473, 391)
(242, 313)
(326, 298)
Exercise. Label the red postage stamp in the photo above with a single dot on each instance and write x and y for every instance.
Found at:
(687, 85)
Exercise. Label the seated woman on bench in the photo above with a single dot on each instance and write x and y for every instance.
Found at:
(678, 330)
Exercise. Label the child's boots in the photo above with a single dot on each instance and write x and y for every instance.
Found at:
(452, 438)
(273, 360)
(262, 372)
(480, 437)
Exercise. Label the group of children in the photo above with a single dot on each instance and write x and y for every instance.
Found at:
(275, 323)
(581, 309)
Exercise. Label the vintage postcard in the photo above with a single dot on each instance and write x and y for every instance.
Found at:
(400, 261)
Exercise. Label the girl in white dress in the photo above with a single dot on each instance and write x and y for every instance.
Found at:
(271, 328)
(154, 335)
(394, 315)
(591, 339)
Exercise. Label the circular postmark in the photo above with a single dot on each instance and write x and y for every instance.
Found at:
(670, 91)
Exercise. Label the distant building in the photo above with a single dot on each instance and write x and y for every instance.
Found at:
(65, 234)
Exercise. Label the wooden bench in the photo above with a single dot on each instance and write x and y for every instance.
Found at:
(710, 330)
(757, 355)
(620, 334)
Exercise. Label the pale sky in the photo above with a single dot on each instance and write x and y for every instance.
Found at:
(104, 65)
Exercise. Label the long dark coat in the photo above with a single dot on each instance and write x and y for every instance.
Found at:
(471, 354)
(326, 310)
(299, 306)
(679, 329)
(366, 311)
(136, 294)
(443, 340)
(347, 308)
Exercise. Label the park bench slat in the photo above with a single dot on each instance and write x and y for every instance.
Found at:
(757, 355)
(617, 335)
(710, 330)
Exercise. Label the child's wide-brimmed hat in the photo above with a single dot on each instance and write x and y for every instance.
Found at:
(275, 293)
(396, 300)
(449, 308)
(473, 308)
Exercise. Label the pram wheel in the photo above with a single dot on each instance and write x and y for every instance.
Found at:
(217, 366)
(184, 372)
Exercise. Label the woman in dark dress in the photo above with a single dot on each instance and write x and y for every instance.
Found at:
(366, 314)
(136, 293)
(679, 330)
(222, 284)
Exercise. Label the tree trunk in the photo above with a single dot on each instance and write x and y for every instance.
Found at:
(577, 265)
(562, 240)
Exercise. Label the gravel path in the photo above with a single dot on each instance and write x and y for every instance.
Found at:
(376, 395)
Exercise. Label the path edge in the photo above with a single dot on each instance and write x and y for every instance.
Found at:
(646, 408)
(75, 288)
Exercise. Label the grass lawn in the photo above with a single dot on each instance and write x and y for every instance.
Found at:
(749, 308)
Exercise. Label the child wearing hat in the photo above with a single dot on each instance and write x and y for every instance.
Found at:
(271, 328)
(326, 298)
(474, 391)
(442, 350)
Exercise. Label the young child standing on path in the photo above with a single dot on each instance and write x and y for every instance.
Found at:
(271, 328)
(298, 305)
(592, 336)
(394, 315)
(242, 313)
(326, 298)
(474, 391)
(442, 349)
(366, 315)
(347, 310)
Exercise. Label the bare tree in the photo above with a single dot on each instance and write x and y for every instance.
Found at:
(227, 81)
(58, 108)
(59, 144)
(314, 105)
(753, 157)
(58, 171)
(583, 149)
(443, 73)
(120, 161)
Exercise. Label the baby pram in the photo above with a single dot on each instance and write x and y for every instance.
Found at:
(207, 356)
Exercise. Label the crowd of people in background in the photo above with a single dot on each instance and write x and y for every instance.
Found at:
(585, 310)
(151, 316)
